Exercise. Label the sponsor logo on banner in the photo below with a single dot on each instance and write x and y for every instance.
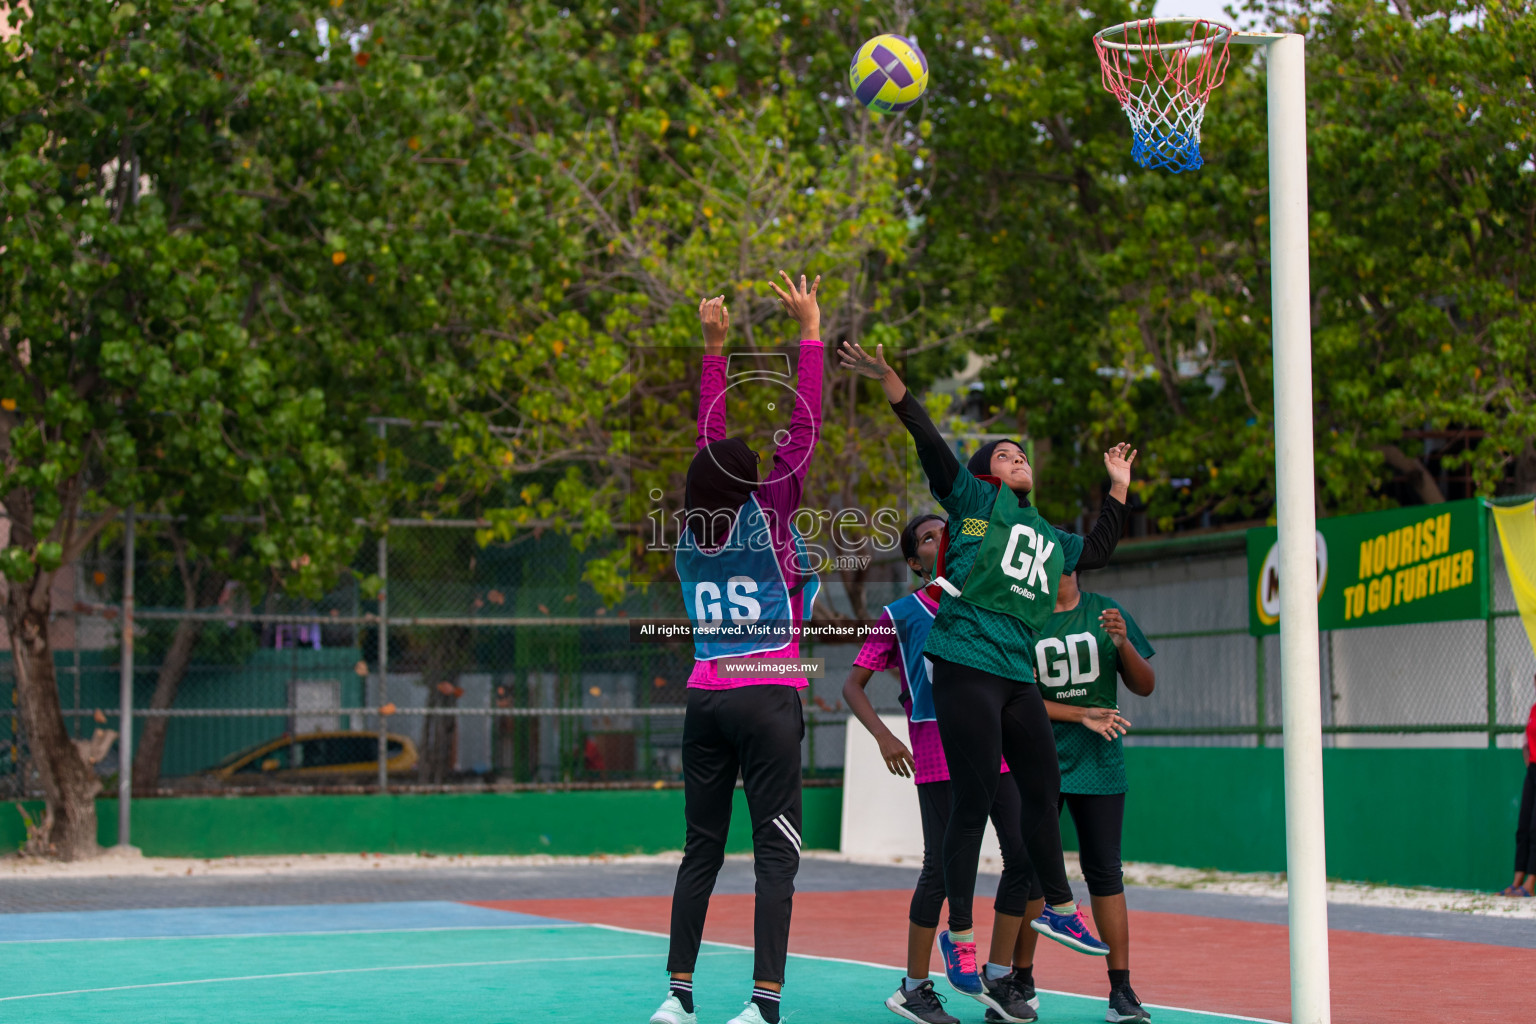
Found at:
(1405, 565)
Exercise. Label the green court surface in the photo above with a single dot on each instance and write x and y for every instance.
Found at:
(471, 975)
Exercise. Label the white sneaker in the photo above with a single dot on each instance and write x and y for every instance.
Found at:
(671, 1012)
(751, 1015)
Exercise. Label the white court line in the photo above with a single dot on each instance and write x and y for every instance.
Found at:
(888, 967)
(285, 935)
(334, 971)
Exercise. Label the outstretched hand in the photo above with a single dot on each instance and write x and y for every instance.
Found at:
(1118, 462)
(716, 320)
(799, 303)
(853, 357)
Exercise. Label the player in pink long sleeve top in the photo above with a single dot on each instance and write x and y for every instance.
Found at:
(747, 584)
(779, 494)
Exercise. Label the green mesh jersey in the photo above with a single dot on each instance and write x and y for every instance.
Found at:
(1076, 663)
(962, 632)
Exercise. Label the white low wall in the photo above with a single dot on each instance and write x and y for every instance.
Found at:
(880, 816)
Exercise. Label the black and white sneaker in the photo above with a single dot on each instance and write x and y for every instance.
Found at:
(1026, 990)
(1006, 1000)
(1125, 1008)
(921, 1004)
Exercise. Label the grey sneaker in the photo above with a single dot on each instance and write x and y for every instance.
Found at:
(1005, 1000)
(1026, 990)
(921, 1005)
(1125, 1008)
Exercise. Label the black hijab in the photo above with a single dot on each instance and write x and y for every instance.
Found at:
(980, 464)
(722, 476)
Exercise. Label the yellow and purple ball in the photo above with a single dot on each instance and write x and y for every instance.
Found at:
(888, 74)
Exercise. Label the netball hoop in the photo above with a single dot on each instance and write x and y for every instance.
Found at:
(1162, 71)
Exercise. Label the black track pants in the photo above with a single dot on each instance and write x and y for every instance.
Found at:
(755, 730)
(1099, 819)
(983, 717)
(1014, 890)
(1525, 828)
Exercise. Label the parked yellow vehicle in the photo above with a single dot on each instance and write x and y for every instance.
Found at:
(315, 754)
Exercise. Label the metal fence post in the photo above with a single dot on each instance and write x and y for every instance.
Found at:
(1491, 653)
(1260, 680)
(383, 634)
(125, 694)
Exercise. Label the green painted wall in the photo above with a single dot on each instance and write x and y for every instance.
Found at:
(569, 823)
(1439, 817)
(1436, 817)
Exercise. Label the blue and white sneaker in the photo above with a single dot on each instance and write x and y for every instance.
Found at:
(960, 964)
(1071, 930)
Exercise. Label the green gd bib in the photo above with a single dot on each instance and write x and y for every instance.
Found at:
(1017, 565)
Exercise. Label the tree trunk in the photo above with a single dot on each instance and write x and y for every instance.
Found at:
(447, 654)
(201, 587)
(1525, 469)
(68, 831)
(439, 734)
(150, 749)
(1419, 477)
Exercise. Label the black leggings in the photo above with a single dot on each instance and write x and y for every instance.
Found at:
(1525, 830)
(1014, 890)
(755, 730)
(1098, 818)
(982, 718)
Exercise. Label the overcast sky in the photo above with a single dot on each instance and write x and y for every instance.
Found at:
(1210, 9)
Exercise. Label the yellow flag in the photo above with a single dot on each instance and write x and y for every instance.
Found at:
(1517, 535)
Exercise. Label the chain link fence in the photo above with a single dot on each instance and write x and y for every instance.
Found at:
(474, 667)
(1462, 683)
(499, 668)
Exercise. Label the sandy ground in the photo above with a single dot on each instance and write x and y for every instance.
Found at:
(117, 863)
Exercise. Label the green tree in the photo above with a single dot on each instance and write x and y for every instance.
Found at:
(1138, 301)
(227, 242)
(683, 151)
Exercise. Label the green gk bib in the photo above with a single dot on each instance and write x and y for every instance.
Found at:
(1017, 565)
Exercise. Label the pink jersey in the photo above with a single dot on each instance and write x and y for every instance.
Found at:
(779, 496)
(881, 653)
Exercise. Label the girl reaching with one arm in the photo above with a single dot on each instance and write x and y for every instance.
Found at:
(999, 575)
(897, 645)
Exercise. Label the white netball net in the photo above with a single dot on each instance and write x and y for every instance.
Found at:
(1162, 72)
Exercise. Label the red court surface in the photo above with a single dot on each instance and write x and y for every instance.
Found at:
(1201, 963)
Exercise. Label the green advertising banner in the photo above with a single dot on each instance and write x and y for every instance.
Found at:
(1428, 563)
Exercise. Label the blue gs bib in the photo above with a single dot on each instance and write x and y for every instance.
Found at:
(736, 595)
(912, 620)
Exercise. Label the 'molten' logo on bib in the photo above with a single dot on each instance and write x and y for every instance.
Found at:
(1025, 558)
